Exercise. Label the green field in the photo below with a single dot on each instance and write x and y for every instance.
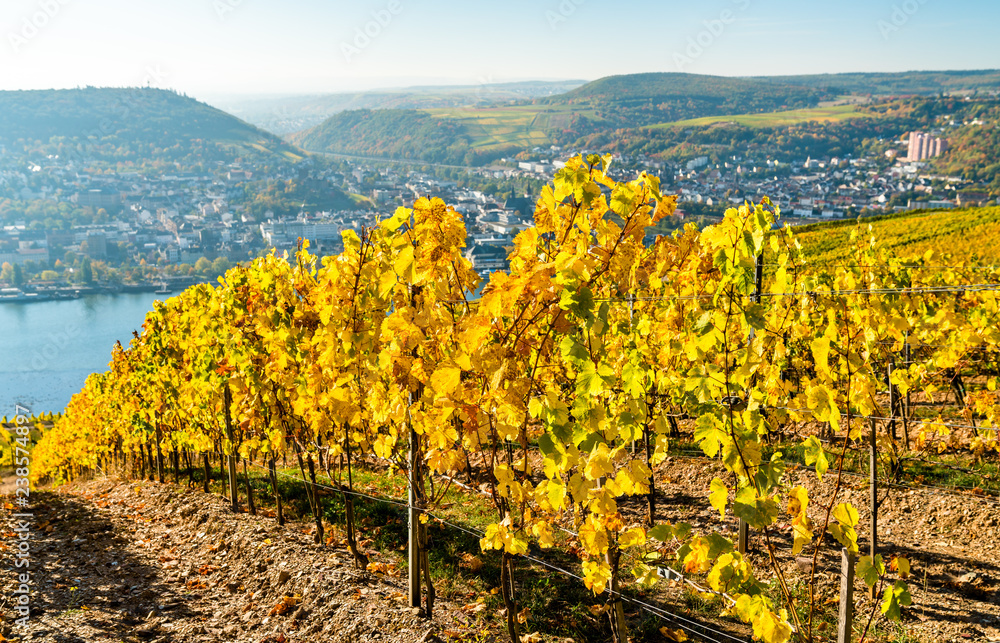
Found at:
(829, 114)
(967, 235)
(522, 125)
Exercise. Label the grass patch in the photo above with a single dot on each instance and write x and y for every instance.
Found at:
(830, 114)
(521, 125)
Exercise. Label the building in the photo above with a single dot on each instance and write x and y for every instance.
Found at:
(98, 198)
(924, 146)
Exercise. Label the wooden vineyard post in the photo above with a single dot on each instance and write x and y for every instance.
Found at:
(906, 401)
(744, 528)
(846, 619)
(873, 500)
(631, 312)
(159, 452)
(208, 472)
(744, 536)
(893, 401)
(413, 522)
(227, 398)
(273, 473)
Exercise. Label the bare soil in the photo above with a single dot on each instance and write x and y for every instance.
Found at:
(127, 561)
(137, 561)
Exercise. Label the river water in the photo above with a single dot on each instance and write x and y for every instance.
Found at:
(47, 349)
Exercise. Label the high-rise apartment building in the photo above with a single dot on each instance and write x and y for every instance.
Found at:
(924, 146)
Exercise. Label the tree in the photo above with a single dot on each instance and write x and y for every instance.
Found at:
(7, 272)
(203, 266)
(17, 275)
(221, 265)
(86, 273)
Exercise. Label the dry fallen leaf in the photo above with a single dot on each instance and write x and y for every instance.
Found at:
(673, 635)
(473, 608)
(471, 562)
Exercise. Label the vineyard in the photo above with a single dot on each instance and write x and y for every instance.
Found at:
(964, 233)
(552, 419)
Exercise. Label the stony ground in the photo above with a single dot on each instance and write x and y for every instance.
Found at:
(140, 561)
(951, 540)
(117, 561)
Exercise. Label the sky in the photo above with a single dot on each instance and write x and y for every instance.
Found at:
(217, 48)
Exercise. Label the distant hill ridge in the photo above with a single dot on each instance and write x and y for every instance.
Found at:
(134, 120)
(615, 112)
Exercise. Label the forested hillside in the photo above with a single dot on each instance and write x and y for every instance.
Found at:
(130, 127)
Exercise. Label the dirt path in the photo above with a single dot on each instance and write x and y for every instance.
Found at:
(146, 562)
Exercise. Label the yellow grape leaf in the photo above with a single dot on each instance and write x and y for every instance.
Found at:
(846, 514)
(901, 566)
(719, 497)
(593, 537)
(446, 379)
(599, 464)
(635, 537)
(798, 502)
(710, 434)
(696, 561)
(843, 530)
(723, 573)
(596, 575)
(405, 265)
(822, 402)
(645, 575)
(815, 454)
(821, 354)
(771, 628)
(758, 511)
(543, 532)
(401, 216)
(551, 494)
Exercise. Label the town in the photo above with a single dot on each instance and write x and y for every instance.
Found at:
(167, 231)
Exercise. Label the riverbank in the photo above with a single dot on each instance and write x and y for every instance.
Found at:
(37, 293)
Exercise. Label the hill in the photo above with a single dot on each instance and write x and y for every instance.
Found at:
(929, 83)
(645, 99)
(471, 134)
(968, 235)
(390, 133)
(130, 126)
(289, 114)
(676, 116)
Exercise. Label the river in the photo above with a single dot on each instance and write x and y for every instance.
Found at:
(47, 349)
